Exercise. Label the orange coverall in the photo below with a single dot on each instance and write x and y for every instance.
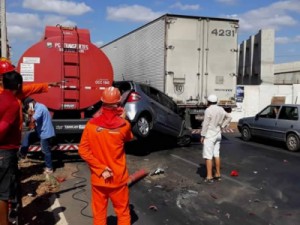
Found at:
(102, 146)
(28, 90)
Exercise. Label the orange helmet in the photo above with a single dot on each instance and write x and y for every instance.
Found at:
(6, 66)
(111, 95)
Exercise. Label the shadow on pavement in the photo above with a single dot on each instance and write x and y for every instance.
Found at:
(155, 142)
(112, 220)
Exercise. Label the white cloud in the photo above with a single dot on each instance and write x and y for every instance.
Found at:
(98, 43)
(227, 2)
(58, 6)
(29, 27)
(273, 16)
(17, 32)
(53, 20)
(282, 40)
(135, 13)
(297, 38)
(185, 7)
(287, 40)
(24, 20)
(23, 26)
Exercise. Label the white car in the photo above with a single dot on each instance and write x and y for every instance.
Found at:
(276, 122)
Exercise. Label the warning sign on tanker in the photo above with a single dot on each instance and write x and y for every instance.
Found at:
(31, 60)
(27, 71)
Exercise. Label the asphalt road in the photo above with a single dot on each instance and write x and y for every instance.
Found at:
(265, 192)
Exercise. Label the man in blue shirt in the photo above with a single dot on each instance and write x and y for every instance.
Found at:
(43, 130)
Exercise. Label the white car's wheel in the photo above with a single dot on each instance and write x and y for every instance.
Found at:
(246, 133)
(292, 142)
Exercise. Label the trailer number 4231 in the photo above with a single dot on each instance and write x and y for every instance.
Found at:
(222, 32)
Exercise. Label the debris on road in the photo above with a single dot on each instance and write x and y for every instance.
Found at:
(157, 171)
(234, 173)
(213, 196)
(137, 176)
(153, 207)
(227, 215)
(51, 181)
(60, 179)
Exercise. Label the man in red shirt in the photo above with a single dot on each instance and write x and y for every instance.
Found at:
(10, 137)
(102, 147)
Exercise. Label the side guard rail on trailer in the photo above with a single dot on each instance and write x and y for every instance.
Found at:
(59, 147)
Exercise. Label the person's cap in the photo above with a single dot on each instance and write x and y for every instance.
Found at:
(212, 98)
(28, 100)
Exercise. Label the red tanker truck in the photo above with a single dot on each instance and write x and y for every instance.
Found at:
(66, 54)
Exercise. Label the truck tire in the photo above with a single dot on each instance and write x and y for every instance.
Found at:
(142, 127)
(292, 142)
(246, 133)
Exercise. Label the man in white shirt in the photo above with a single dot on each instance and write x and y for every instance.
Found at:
(215, 119)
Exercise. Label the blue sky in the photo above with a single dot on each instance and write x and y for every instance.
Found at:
(108, 20)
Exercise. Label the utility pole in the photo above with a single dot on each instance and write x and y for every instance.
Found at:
(3, 40)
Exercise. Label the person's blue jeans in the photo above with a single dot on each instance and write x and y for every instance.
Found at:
(31, 137)
(46, 149)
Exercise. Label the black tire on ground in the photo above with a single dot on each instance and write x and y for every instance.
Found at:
(292, 142)
(142, 127)
(246, 133)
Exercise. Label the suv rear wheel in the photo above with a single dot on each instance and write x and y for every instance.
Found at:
(292, 142)
(142, 127)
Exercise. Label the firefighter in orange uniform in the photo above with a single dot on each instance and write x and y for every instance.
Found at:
(102, 147)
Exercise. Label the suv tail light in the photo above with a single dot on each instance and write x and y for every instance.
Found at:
(134, 97)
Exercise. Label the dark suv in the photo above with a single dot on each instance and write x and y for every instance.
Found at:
(149, 109)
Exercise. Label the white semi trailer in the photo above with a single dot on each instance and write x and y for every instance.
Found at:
(186, 57)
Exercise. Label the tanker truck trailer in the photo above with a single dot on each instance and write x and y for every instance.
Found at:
(66, 54)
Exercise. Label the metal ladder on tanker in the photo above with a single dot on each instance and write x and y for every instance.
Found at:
(70, 68)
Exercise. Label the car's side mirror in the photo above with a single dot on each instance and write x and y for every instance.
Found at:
(256, 117)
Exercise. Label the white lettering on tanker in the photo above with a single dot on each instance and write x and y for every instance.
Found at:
(27, 71)
(27, 68)
(28, 77)
(31, 60)
(71, 47)
(68, 106)
(101, 81)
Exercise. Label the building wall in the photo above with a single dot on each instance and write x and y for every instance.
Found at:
(287, 73)
(256, 60)
(256, 97)
(261, 79)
